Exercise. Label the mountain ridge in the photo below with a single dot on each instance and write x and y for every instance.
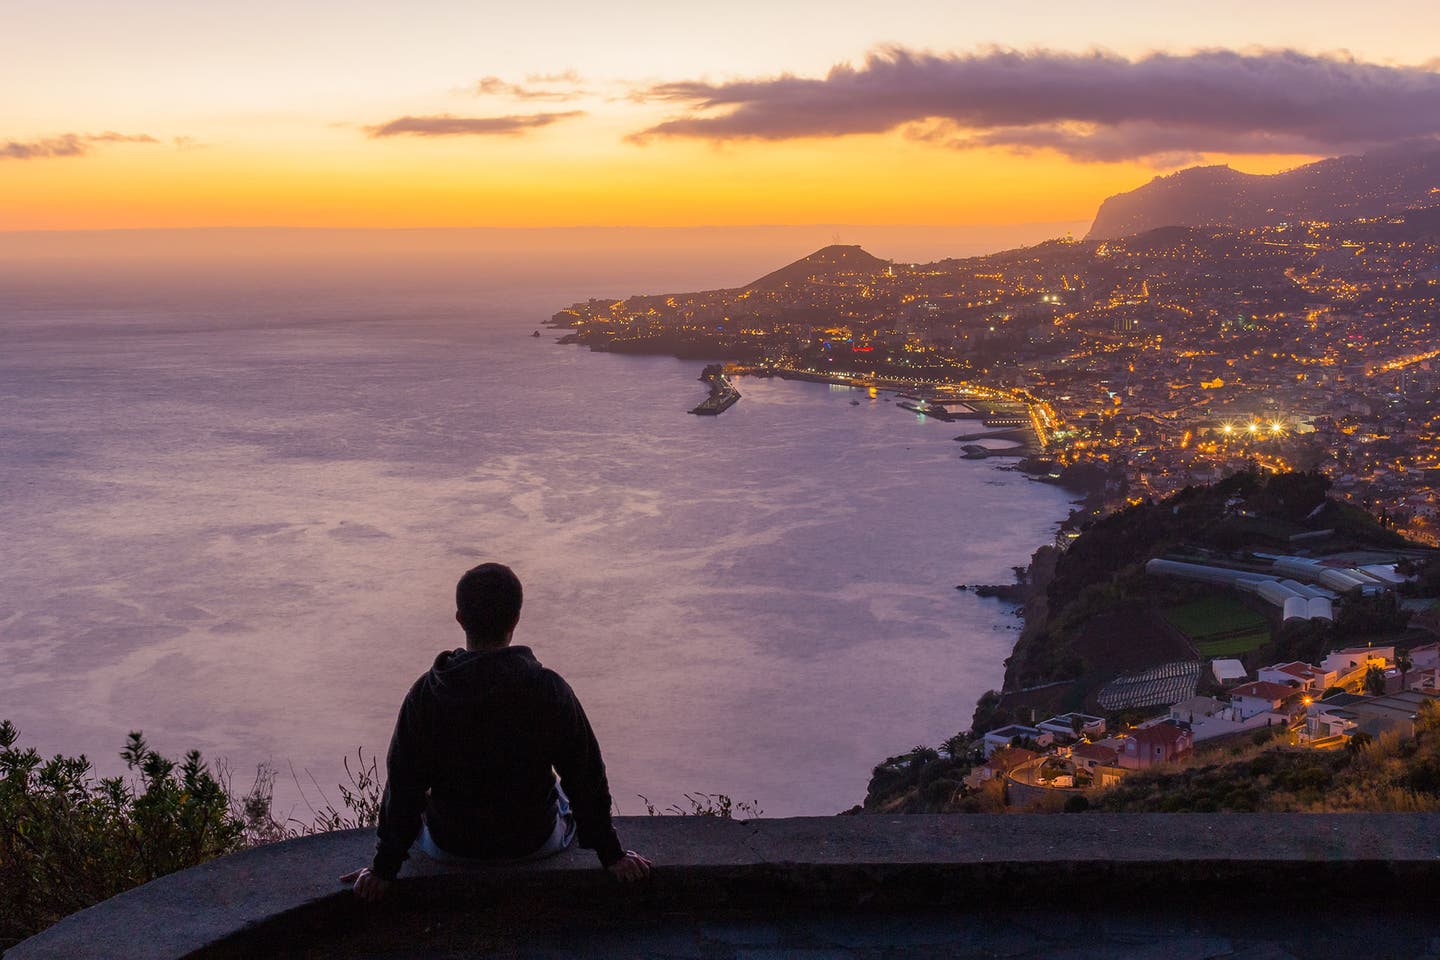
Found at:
(1380, 182)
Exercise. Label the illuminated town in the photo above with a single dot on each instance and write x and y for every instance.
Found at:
(1175, 356)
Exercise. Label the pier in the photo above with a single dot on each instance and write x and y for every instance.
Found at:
(723, 394)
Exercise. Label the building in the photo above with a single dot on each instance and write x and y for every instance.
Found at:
(1303, 676)
(1350, 664)
(1069, 726)
(1261, 697)
(1001, 762)
(1003, 737)
(1100, 760)
(1427, 655)
(1159, 743)
(1228, 671)
(1197, 709)
(1347, 714)
(1424, 680)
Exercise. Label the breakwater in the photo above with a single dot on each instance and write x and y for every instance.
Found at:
(723, 394)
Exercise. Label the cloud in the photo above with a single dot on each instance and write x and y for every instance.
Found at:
(445, 125)
(1094, 106)
(66, 145)
(537, 87)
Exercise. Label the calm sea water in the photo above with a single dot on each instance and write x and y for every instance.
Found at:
(233, 505)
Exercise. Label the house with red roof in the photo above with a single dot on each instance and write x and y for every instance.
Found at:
(1158, 743)
(1100, 760)
(1304, 676)
(1001, 762)
(1261, 697)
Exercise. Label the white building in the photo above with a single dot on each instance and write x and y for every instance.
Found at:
(1064, 726)
(1351, 664)
(1228, 671)
(996, 739)
(1259, 697)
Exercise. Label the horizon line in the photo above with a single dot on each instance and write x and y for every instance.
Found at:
(591, 226)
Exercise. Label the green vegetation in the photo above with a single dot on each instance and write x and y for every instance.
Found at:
(1233, 646)
(1103, 572)
(1220, 625)
(921, 781)
(69, 840)
(1214, 614)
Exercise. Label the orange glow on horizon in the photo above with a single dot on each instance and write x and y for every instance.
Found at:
(569, 179)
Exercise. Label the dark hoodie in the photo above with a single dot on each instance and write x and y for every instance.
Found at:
(480, 732)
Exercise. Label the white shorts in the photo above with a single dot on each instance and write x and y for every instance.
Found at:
(560, 838)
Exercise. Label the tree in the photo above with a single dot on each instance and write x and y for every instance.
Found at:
(1374, 681)
(956, 747)
(920, 755)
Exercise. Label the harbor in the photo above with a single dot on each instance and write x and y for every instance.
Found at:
(723, 394)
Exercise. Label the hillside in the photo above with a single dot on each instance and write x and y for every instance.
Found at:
(1094, 613)
(1100, 611)
(1340, 188)
(827, 262)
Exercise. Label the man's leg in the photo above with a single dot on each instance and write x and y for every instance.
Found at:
(562, 836)
(560, 839)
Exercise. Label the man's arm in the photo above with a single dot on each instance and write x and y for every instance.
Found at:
(407, 777)
(577, 759)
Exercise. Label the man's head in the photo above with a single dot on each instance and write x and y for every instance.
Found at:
(487, 603)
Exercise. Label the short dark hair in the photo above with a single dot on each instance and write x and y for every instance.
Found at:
(488, 599)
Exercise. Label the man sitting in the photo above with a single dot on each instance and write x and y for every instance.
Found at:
(480, 737)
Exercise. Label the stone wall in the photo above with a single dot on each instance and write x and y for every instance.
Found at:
(273, 900)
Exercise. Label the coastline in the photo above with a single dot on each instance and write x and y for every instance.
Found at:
(1023, 599)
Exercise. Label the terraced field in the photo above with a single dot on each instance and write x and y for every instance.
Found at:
(1158, 686)
(1220, 626)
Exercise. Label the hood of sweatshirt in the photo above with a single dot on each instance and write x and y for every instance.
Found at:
(470, 674)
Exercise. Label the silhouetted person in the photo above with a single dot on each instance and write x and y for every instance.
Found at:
(480, 737)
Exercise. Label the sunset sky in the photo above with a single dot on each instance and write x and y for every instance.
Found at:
(176, 113)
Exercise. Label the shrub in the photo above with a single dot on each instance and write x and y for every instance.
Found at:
(697, 804)
(68, 840)
(940, 792)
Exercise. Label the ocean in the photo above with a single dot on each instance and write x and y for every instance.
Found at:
(234, 501)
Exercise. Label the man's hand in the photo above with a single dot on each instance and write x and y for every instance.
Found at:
(368, 886)
(630, 867)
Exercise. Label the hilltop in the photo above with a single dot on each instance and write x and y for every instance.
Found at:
(824, 264)
(1340, 188)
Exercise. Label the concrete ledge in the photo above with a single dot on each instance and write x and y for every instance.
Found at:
(273, 900)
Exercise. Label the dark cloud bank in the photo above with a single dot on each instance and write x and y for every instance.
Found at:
(66, 145)
(1092, 107)
(447, 126)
